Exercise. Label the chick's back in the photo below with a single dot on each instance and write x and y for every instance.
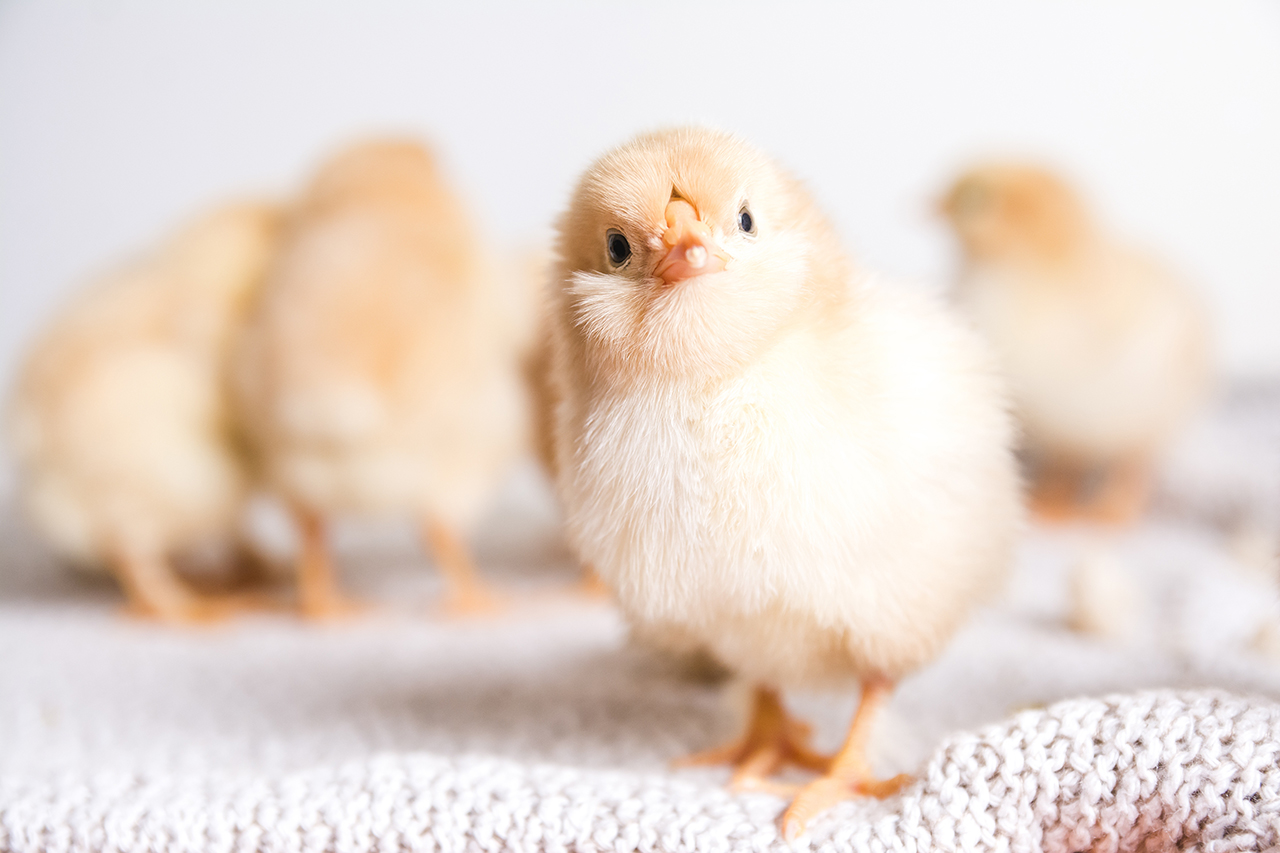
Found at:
(374, 374)
(120, 420)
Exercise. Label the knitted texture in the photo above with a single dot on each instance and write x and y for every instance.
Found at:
(1160, 769)
(547, 731)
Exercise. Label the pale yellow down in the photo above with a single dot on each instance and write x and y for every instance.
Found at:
(1106, 350)
(379, 370)
(119, 419)
(790, 463)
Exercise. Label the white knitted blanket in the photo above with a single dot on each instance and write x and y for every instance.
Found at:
(546, 731)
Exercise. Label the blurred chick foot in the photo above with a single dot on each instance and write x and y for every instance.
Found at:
(591, 585)
(1053, 494)
(466, 594)
(772, 741)
(319, 598)
(848, 774)
(155, 592)
(476, 601)
(333, 607)
(1122, 495)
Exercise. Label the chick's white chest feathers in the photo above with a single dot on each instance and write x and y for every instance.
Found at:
(699, 485)
(775, 517)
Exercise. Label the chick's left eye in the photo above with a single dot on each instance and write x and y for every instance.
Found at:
(745, 222)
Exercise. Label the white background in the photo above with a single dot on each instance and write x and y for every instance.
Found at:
(118, 119)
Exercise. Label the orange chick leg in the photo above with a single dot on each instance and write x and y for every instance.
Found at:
(591, 585)
(467, 594)
(318, 595)
(1123, 494)
(154, 591)
(1054, 494)
(773, 740)
(848, 775)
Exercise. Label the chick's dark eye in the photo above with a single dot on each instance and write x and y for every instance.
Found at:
(619, 248)
(745, 222)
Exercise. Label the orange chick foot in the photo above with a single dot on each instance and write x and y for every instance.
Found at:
(848, 775)
(471, 602)
(773, 740)
(155, 592)
(821, 794)
(590, 585)
(330, 608)
(189, 610)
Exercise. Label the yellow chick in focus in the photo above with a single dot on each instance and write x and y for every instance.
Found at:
(379, 372)
(120, 420)
(1106, 351)
(764, 451)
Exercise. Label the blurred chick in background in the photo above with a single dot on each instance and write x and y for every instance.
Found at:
(120, 419)
(1106, 350)
(765, 452)
(379, 371)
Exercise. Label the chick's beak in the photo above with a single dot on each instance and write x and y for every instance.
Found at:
(691, 251)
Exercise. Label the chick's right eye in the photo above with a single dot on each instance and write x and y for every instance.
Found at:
(619, 248)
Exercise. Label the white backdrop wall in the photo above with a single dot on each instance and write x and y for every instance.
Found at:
(117, 119)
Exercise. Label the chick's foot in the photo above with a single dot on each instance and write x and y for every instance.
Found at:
(154, 591)
(470, 601)
(1054, 494)
(1122, 496)
(319, 598)
(591, 585)
(466, 594)
(848, 774)
(773, 740)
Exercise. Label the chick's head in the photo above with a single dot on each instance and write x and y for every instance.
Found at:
(1002, 211)
(386, 168)
(684, 251)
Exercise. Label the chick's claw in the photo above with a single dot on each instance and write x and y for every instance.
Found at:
(821, 794)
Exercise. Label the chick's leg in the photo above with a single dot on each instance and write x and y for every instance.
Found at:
(591, 585)
(154, 590)
(1122, 496)
(466, 593)
(848, 775)
(1054, 492)
(773, 740)
(318, 594)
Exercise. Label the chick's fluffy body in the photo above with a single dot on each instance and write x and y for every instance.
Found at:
(1105, 349)
(120, 420)
(788, 463)
(378, 372)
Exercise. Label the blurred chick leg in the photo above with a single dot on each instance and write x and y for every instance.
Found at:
(591, 585)
(466, 593)
(154, 591)
(849, 775)
(772, 741)
(318, 593)
(1122, 495)
(1054, 491)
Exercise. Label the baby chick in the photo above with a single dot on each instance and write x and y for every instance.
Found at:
(120, 420)
(1105, 350)
(379, 372)
(764, 451)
